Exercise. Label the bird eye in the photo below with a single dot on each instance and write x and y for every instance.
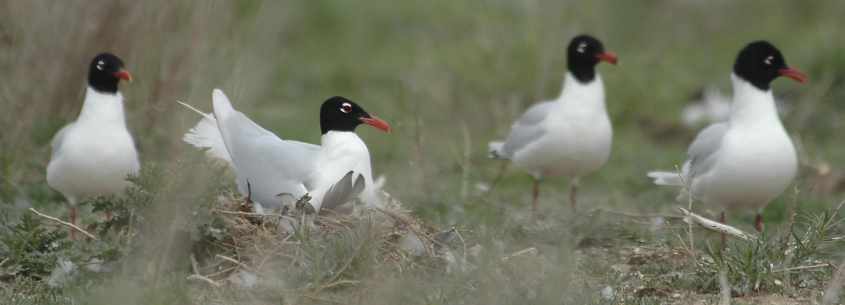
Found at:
(100, 65)
(768, 60)
(346, 108)
(581, 47)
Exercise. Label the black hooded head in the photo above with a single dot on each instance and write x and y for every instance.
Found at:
(760, 63)
(582, 56)
(105, 71)
(341, 114)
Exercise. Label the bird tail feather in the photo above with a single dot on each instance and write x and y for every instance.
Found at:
(666, 178)
(206, 135)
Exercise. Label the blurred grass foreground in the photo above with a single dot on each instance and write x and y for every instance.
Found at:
(449, 76)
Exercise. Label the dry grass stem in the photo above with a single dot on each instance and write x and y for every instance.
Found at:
(524, 252)
(691, 217)
(200, 278)
(64, 223)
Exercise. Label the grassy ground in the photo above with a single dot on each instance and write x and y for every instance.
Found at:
(449, 76)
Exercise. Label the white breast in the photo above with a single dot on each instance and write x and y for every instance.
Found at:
(94, 155)
(578, 134)
(754, 166)
(340, 153)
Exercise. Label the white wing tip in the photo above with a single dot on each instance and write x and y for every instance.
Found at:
(220, 102)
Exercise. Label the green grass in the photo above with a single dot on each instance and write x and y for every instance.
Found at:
(449, 76)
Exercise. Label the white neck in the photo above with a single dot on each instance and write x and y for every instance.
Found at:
(750, 104)
(589, 95)
(102, 107)
(333, 137)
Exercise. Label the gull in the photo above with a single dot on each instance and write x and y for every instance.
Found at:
(268, 167)
(748, 160)
(570, 136)
(93, 155)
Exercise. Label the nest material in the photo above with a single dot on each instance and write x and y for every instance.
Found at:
(248, 242)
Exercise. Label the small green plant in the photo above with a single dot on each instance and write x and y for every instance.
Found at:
(803, 253)
(30, 249)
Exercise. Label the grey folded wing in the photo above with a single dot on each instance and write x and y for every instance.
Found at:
(704, 150)
(527, 128)
(343, 191)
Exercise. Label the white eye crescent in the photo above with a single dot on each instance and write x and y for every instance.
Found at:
(100, 65)
(581, 47)
(346, 108)
(768, 60)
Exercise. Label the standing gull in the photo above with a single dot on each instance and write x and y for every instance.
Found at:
(570, 136)
(93, 155)
(749, 160)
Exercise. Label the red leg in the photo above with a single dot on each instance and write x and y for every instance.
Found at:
(535, 196)
(758, 223)
(73, 215)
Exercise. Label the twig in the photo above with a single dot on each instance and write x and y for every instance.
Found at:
(338, 283)
(524, 252)
(234, 261)
(194, 264)
(799, 268)
(223, 271)
(244, 213)
(633, 215)
(690, 217)
(200, 278)
(324, 300)
(65, 223)
(463, 243)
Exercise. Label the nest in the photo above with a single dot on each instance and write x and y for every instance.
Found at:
(247, 245)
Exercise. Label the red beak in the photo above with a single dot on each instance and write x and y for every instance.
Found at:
(124, 75)
(377, 123)
(793, 74)
(609, 57)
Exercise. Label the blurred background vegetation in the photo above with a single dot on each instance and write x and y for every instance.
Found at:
(448, 75)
